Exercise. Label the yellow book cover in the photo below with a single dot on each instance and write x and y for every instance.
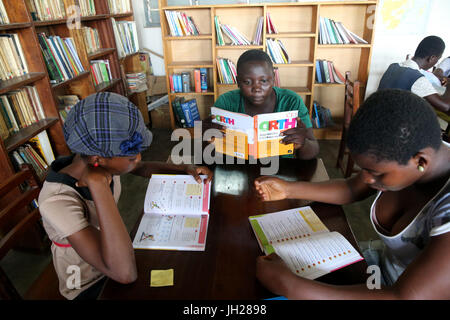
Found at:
(257, 136)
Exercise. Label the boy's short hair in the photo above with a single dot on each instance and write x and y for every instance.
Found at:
(393, 125)
(253, 55)
(106, 124)
(430, 46)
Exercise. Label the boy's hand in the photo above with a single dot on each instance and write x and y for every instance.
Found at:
(271, 188)
(272, 272)
(295, 135)
(197, 171)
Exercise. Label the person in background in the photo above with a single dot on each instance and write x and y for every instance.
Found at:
(257, 94)
(407, 76)
(78, 200)
(395, 139)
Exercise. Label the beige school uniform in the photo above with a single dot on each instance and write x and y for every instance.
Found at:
(67, 209)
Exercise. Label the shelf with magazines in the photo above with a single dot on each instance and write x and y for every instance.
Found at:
(46, 61)
(294, 45)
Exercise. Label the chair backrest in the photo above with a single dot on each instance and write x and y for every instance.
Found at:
(352, 99)
(18, 214)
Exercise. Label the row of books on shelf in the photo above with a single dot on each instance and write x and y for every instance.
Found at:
(87, 7)
(257, 38)
(226, 70)
(19, 109)
(137, 82)
(37, 152)
(334, 32)
(185, 111)
(43, 10)
(61, 57)
(4, 19)
(181, 82)
(321, 116)
(277, 51)
(91, 39)
(126, 38)
(180, 24)
(270, 27)
(100, 71)
(233, 34)
(65, 104)
(12, 59)
(119, 6)
(327, 73)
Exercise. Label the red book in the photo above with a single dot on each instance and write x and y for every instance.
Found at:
(197, 81)
(330, 71)
(172, 88)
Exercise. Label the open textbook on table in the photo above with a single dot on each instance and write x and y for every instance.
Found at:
(176, 214)
(303, 242)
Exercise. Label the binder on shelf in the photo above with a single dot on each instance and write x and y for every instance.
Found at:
(190, 112)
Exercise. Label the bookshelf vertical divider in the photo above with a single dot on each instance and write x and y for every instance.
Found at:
(298, 28)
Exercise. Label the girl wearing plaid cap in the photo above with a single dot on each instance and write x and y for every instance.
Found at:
(78, 201)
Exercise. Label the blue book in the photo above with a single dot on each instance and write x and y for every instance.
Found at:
(203, 80)
(190, 111)
(318, 74)
(317, 115)
(179, 83)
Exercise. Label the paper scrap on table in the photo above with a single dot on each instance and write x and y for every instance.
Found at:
(161, 278)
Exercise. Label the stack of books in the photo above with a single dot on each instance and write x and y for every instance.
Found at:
(12, 59)
(234, 35)
(126, 37)
(43, 10)
(137, 82)
(37, 152)
(19, 109)
(3, 14)
(186, 112)
(61, 57)
(334, 32)
(257, 39)
(227, 71)
(277, 51)
(321, 116)
(327, 73)
(87, 7)
(270, 27)
(100, 71)
(180, 24)
(119, 6)
(91, 39)
(65, 104)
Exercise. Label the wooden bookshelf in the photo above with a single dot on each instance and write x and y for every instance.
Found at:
(38, 76)
(298, 28)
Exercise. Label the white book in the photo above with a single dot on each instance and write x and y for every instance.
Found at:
(176, 214)
(303, 242)
(359, 39)
(46, 147)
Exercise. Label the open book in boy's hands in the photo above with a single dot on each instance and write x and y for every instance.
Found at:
(176, 214)
(303, 242)
(257, 136)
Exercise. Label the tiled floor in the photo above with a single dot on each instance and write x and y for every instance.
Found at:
(23, 268)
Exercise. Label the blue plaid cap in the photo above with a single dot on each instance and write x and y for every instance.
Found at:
(108, 125)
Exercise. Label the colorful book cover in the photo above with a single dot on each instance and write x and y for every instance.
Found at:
(257, 136)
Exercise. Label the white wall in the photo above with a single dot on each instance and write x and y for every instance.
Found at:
(149, 38)
(393, 44)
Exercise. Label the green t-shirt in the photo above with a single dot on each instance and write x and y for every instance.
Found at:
(287, 100)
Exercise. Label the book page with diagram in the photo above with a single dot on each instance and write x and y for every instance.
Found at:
(303, 242)
(176, 214)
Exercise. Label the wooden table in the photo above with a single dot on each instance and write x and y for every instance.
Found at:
(226, 269)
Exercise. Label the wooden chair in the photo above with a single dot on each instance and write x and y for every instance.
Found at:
(18, 216)
(351, 104)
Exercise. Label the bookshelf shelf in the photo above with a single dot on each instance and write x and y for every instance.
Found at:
(27, 133)
(17, 82)
(297, 25)
(68, 82)
(106, 85)
(199, 37)
(49, 22)
(181, 94)
(100, 53)
(13, 26)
